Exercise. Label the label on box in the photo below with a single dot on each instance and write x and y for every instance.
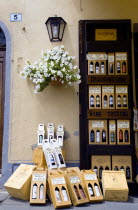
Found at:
(111, 58)
(121, 56)
(121, 90)
(95, 90)
(123, 124)
(108, 89)
(39, 177)
(96, 57)
(97, 124)
(112, 127)
(90, 177)
(74, 179)
(57, 181)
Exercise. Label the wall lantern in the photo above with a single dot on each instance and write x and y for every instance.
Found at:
(55, 26)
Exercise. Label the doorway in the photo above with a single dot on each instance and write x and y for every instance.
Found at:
(2, 85)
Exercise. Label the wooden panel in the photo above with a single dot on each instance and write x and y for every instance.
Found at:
(108, 79)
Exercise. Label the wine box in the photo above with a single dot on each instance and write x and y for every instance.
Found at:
(57, 189)
(98, 132)
(39, 158)
(121, 66)
(111, 64)
(97, 63)
(121, 97)
(38, 187)
(112, 132)
(95, 97)
(115, 186)
(18, 185)
(108, 97)
(76, 188)
(123, 163)
(91, 186)
(100, 163)
(123, 132)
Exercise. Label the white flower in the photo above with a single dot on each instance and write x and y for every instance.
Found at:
(37, 87)
(75, 67)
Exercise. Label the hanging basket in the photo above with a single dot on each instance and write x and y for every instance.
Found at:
(55, 83)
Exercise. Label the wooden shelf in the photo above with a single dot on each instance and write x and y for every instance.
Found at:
(108, 79)
(109, 114)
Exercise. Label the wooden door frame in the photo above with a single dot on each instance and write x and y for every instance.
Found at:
(2, 95)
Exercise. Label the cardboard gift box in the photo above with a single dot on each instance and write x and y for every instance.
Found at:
(121, 66)
(76, 188)
(92, 186)
(112, 132)
(123, 132)
(115, 186)
(111, 64)
(57, 189)
(108, 97)
(18, 185)
(38, 187)
(39, 158)
(121, 97)
(95, 96)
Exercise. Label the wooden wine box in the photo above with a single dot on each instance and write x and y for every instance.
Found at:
(121, 97)
(98, 127)
(111, 64)
(123, 132)
(112, 132)
(91, 186)
(18, 185)
(99, 163)
(121, 59)
(108, 97)
(115, 186)
(38, 187)
(123, 163)
(76, 188)
(39, 158)
(95, 97)
(57, 189)
(94, 59)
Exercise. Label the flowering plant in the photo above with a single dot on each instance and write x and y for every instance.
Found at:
(55, 64)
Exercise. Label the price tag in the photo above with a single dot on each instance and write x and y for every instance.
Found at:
(39, 177)
(112, 127)
(121, 90)
(121, 57)
(95, 90)
(57, 181)
(97, 124)
(123, 124)
(90, 177)
(108, 89)
(111, 58)
(74, 179)
(96, 57)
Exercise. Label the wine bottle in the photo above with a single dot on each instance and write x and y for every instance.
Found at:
(124, 101)
(97, 101)
(58, 196)
(112, 136)
(100, 172)
(92, 136)
(82, 192)
(51, 158)
(91, 67)
(120, 136)
(97, 189)
(61, 158)
(102, 68)
(96, 170)
(122, 168)
(103, 136)
(115, 168)
(97, 68)
(64, 193)
(124, 67)
(128, 172)
(41, 192)
(77, 192)
(40, 139)
(105, 101)
(119, 101)
(126, 136)
(111, 68)
(111, 102)
(106, 168)
(118, 67)
(90, 189)
(92, 101)
(34, 191)
(97, 136)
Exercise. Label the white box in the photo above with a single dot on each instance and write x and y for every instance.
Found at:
(40, 133)
(49, 155)
(60, 135)
(59, 156)
(50, 131)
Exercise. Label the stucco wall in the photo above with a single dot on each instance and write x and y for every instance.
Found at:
(58, 105)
